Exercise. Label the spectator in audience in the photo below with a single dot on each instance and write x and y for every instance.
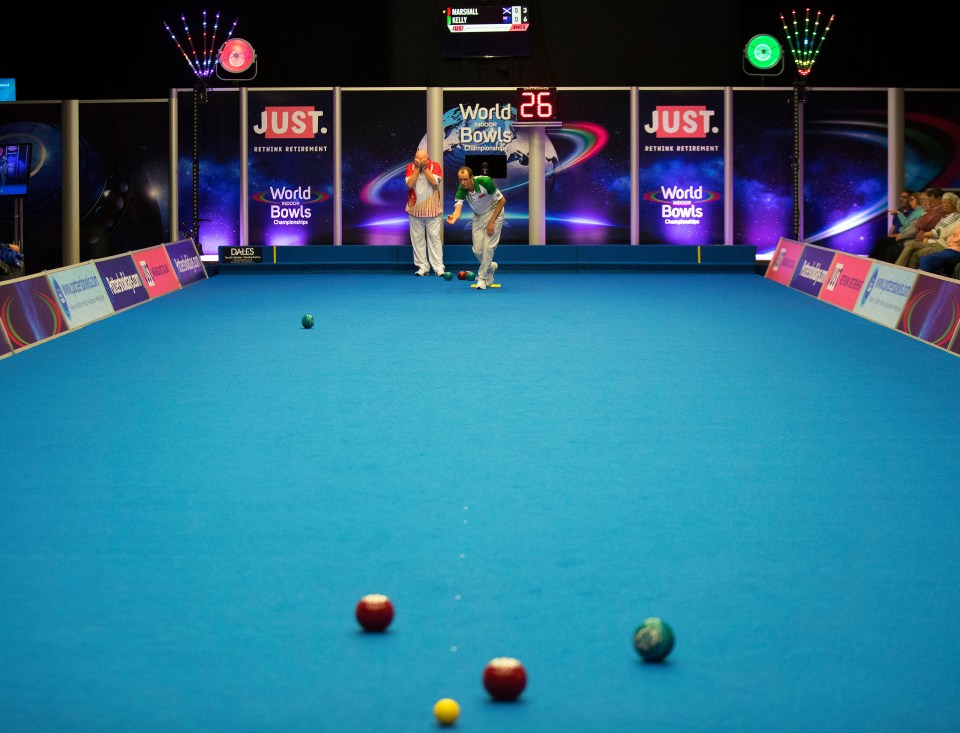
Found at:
(907, 213)
(934, 246)
(951, 215)
(887, 249)
(935, 212)
(949, 257)
(11, 261)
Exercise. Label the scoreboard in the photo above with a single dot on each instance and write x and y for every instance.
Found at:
(488, 19)
(486, 31)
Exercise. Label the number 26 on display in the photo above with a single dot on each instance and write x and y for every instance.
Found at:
(536, 104)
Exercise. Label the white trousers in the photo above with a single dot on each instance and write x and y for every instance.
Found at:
(485, 244)
(425, 237)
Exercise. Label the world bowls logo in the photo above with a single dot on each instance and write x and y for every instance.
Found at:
(288, 196)
(290, 205)
(681, 205)
(675, 195)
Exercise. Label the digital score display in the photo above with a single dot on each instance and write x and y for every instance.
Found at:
(486, 31)
(536, 105)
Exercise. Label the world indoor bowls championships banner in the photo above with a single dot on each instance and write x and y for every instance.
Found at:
(290, 167)
(681, 166)
(478, 125)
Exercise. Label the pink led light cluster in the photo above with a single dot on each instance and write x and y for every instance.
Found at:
(202, 63)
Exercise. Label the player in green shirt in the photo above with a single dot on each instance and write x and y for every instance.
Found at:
(487, 203)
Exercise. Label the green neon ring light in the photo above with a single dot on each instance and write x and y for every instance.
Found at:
(763, 51)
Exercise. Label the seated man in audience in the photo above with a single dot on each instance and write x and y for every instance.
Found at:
(943, 262)
(909, 201)
(950, 201)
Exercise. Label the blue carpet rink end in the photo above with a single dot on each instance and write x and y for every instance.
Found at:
(204, 489)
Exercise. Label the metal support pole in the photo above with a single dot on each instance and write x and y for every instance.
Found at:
(70, 175)
(537, 186)
(199, 99)
(799, 97)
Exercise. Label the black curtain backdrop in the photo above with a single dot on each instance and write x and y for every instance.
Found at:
(122, 51)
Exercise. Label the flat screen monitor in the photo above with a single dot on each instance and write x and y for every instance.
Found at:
(8, 90)
(14, 169)
(488, 164)
(485, 31)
